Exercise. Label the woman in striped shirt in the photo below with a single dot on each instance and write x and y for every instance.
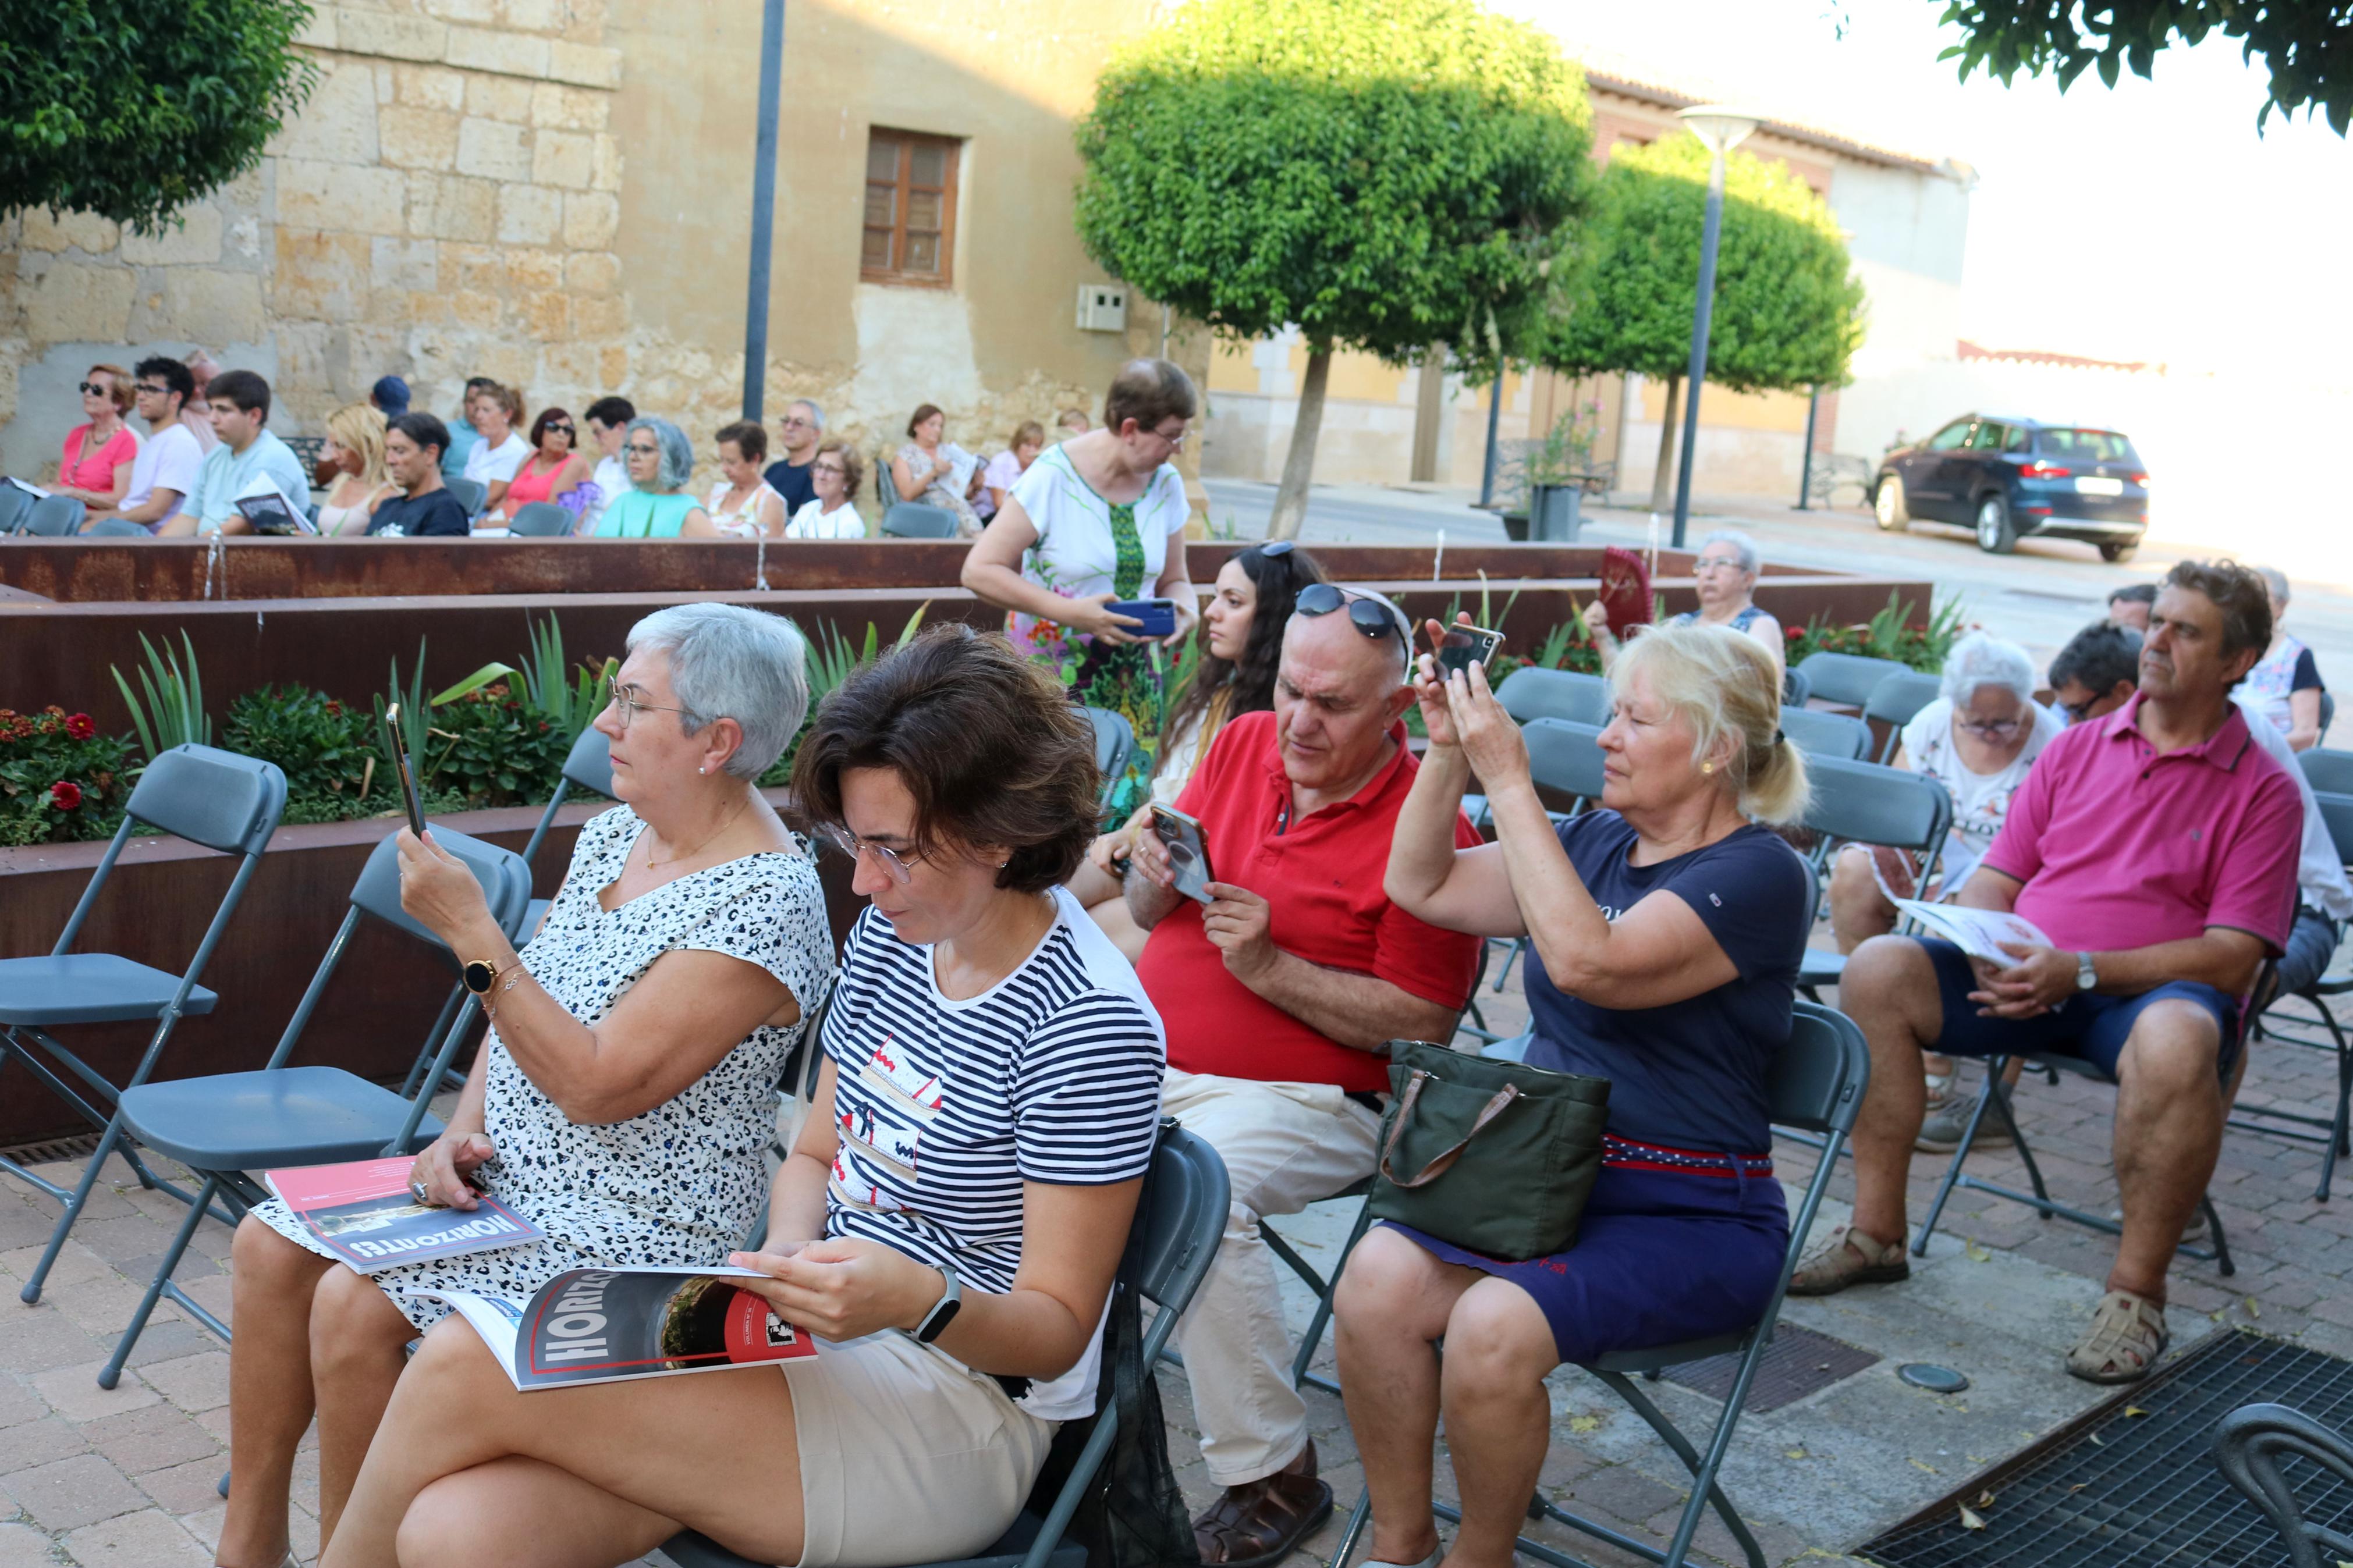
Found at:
(947, 1224)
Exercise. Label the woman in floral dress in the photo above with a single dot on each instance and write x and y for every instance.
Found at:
(1098, 519)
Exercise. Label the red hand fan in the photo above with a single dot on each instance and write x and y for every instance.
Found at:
(1625, 589)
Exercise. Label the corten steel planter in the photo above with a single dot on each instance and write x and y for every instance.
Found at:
(375, 1011)
(332, 613)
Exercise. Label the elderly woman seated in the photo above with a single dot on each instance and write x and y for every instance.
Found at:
(1668, 927)
(623, 1100)
(1724, 575)
(655, 506)
(1978, 739)
(947, 1224)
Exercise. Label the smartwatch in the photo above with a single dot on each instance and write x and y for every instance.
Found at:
(943, 1310)
(480, 975)
(2086, 977)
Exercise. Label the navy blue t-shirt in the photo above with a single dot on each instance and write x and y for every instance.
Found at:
(435, 512)
(796, 483)
(1690, 1074)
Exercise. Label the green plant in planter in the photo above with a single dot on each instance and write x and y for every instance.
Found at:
(567, 697)
(495, 750)
(323, 747)
(1887, 634)
(830, 660)
(173, 713)
(61, 780)
(1562, 456)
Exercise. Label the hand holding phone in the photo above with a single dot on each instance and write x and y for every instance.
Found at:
(1188, 852)
(1462, 647)
(1158, 615)
(410, 797)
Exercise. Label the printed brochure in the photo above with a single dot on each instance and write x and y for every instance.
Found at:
(363, 1213)
(1980, 934)
(606, 1325)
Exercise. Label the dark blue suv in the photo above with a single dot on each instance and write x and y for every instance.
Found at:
(2007, 477)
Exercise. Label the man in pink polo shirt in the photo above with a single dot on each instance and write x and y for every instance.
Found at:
(2157, 848)
(1279, 999)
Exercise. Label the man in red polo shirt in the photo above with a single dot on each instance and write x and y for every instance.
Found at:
(2157, 847)
(1279, 999)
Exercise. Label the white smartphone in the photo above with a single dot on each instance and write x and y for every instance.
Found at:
(1188, 852)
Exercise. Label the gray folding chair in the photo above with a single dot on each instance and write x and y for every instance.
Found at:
(2249, 1443)
(1533, 691)
(590, 766)
(1796, 690)
(1169, 1250)
(1115, 744)
(913, 519)
(214, 798)
(227, 1124)
(1821, 733)
(1816, 1085)
(1846, 679)
(1865, 803)
(541, 519)
(14, 504)
(2327, 770)
(111, 528)
(1895, 700)
(55, 517)
(2333, 1132)
(470, 494)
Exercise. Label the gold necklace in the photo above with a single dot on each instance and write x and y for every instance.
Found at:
(652, 864)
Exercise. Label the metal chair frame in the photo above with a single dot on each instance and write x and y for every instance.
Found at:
(1565, 761)
(1857, 802)
(470, 494)
(541, 519)
(247, 836)
(2249, 1443)
(1846, 679)
(916, 519)
(1819, 733)
(1115, 744)
(1895, 700)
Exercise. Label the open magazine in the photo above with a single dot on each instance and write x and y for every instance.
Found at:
(271, 510)
(1980, 934)
(962, 465)
(607, 1325)
(363, 1213)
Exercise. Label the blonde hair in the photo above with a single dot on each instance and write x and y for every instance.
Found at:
(358, 429)
(1722, 682)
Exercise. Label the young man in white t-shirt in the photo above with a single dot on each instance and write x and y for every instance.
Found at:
(166, 470)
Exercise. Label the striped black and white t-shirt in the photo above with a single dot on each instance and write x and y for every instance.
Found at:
(943, 1109)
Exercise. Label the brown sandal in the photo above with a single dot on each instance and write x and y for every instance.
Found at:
(1261, 1522)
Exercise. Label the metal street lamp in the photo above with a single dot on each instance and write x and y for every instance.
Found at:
(1720, 128)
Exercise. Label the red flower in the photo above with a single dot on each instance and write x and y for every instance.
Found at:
(65, 794)
(1793, 633)
(80, 727)
(334, 709)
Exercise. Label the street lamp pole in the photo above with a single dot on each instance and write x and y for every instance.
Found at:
(764, 210)
(1720, 129)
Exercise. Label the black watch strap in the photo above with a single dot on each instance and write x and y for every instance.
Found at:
(944, 1311)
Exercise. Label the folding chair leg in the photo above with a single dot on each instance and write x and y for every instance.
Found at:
(106, 1142)
(1314, 1338)
(2338, 1135)
(1709, 1494)
(2223, 1263)
(1511, 956)
(156, 1287)
(1358, 1517)
(1953, 1171)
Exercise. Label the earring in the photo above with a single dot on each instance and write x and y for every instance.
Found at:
(702, 770)
(1004, 863)
(1707, 767)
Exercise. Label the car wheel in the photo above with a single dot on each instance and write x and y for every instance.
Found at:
(1888, 507)
(1995, 536)
(2120, 550)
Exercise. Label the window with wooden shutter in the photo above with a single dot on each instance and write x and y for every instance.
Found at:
(911, 188)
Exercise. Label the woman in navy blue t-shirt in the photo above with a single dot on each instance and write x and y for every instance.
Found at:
(1667, 931)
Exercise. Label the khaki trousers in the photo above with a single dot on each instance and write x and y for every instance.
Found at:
(1285, 1146)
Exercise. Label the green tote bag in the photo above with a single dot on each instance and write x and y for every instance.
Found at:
(1495, 1156)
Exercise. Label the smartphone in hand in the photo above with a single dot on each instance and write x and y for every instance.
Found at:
(1188, 852)
(1158, 615)
(1462, 647)
(410, 797)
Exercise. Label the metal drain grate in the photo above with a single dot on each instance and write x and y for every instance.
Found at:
(2116, 1487)
(1797, 1362)
(80, 1148)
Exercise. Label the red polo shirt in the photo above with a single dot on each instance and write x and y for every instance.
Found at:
(2123, 846)
(1322, 876)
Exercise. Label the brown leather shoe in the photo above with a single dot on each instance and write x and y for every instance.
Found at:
(1261, 1522)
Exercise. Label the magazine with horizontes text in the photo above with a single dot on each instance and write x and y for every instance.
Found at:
(605, 1325)
(363, 1213)
(1980, 934)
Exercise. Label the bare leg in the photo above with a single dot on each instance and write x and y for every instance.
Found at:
(1498, 1415)
(269, 1388)
(2169, 1132)
(1859, 910)
(717, 1452)
(1391, 1309)
(357, 1337)
(524, 1513)
(1890, 991)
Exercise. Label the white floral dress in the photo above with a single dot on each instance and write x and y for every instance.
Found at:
(679, 1184)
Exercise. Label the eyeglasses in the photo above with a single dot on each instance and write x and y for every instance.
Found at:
(145, 389)
(91, 389)
(626, 702)
(1174, 441)
(901, 867)
(1991, 729)
(1715, 564)
(1369, 616)
(636, 449)
(559, 429)
(791, 420)
(825, 468)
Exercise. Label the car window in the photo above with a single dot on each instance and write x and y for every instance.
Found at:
(2021, 440)
(1950, 436)
(2087, 445)
(1988, 437)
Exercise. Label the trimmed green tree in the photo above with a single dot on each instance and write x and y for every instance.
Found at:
(1386, 176)
(2302, 42)
(132, 113)
(1788, 313)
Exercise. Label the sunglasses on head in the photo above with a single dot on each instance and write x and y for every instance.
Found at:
(1368, 616)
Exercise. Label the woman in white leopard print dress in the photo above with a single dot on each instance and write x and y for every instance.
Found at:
(624, 1099)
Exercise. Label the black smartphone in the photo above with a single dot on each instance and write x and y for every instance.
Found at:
(408, 795)
(1158, 615)
(1463, 646)
(1188, 852)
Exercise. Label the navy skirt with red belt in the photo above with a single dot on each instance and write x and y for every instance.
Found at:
(1675, 1245)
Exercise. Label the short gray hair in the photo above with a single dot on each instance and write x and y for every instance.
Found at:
(817, 415)
(1744, 549)
(728, 662)
(2276, 579)
(1398, 618)
(677, 451)
(1981, 660)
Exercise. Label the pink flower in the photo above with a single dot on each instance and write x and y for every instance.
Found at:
(65, 794)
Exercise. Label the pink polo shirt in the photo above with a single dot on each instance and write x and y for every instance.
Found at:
(2120, 846)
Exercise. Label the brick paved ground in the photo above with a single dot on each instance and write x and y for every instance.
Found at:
(126, 1477)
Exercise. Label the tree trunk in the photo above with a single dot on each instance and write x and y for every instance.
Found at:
(1290, 498)
(1663, 483)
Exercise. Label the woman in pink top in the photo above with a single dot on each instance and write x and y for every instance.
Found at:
(553, 468)
(95, 465)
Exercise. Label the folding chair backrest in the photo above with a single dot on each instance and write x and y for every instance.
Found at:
(212, 797)
(1189, 1201)
(2327, 770)
(55, 517)
(913, 519)
(14, 504)
(541, 519)
(111, 528)
(1114, 743)
(468, 494)
(1796, 690)
(2337, 811)
(1821, 733)
(589, 766)
(505, 879)
(1565, 760)
(1533, 691)
(1816, 1083)
(1846, 679)
(2328, 711)
(1865, 803)
(1895, 700)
